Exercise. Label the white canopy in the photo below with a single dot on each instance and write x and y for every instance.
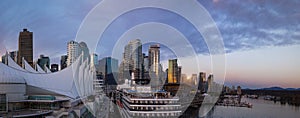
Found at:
(28, 67)
(39, 69)
(47, 69)
(64, 82)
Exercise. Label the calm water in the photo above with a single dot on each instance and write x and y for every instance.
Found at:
(261, 109)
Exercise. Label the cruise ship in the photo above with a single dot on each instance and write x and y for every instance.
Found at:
(144, 102)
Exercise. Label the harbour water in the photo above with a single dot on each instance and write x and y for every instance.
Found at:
(261, 109)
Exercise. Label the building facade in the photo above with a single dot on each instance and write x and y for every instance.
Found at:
(24, 93)
(14, 55)
(73, 52)
(109, 68)
(63, 61)
(94, 60)
(75, 49)
(194, 79)
(43, 62)
(154, 58)
(25, 46)
(201, 83)
(133, 61)
(54, 67)
(146, 63)
(174, 72)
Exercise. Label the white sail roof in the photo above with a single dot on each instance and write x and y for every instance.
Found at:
(39, 69)
(72, 81)
(8, 75)
(47, 69)
(28, 67)
(12, 63)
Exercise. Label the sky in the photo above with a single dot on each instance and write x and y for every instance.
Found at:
(261, 37)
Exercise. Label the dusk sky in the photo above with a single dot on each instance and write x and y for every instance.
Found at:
(261, 37)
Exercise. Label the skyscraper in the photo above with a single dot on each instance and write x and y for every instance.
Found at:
(133, 59)
(109, 67)
(174, 72)
(94, 60)
(209, 82)
(210, 79)
(202, 77)
(146, 63)
(85, 50)
(194, 79)
(154, 58)
(73, 52)
(43, 62)
(25, 47)
(63, 61)
(178, 74)
(136, 55)
(75, 49)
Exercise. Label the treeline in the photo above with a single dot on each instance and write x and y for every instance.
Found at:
(282, 96)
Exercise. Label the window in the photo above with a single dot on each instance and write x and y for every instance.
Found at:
(3, 103)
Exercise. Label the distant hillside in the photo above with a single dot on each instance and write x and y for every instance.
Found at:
(276, 88)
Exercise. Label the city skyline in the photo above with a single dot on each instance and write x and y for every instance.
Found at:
(262, 58)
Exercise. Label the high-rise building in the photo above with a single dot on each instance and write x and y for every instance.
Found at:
(179, 74)
(127, 57)
(75, 49)
(202, 78)
(126, 64)
(12, 54)
(154, 58)
(209, 82)
(174, 72)
(108, 65)
(136, 55)
(25, 47)
(94, 60)
(194, 79)
(133, 59)
(210, 79)
(73, 52)
(43, 62)
(85, 50)
(54, 67)
(146, 63)
(63, 61)
(121, 75)
(109, 68)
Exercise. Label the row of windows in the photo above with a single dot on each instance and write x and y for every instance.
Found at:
(2, 98)
(156, 108)
(3, 103)
(153, 101)
(155, 114)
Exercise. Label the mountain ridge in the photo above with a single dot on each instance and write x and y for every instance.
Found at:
(277, 88)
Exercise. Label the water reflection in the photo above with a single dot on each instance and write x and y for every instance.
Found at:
(261, 108)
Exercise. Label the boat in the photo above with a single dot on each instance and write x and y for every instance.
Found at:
(134, 103)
